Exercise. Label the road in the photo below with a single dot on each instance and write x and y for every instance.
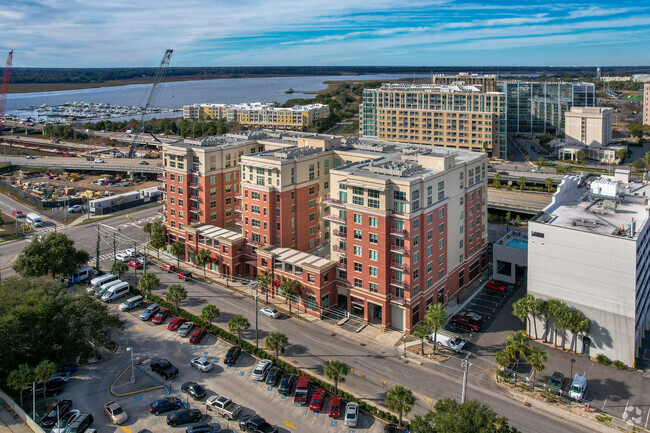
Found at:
(78, 163)
(518, 201)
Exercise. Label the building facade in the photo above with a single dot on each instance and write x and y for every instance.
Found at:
(589, 249)
(646, 104)
(540, 107)
(457, 116)
(487, 83)
(589, 126)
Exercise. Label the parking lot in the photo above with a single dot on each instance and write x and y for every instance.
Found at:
(89, 387)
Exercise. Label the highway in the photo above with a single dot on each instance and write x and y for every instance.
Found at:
(132, 165)
(522, 201)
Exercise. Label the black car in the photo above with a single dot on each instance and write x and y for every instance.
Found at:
(257, 424)
(392, 428)
(232, 355)
(243, 420)
(204, 427)
(56, 413)
(166, 404)
(194, 389)
(53, 387)
(184, 275)
(286, 383)
(184, 416)
(164, 368)
(274, 376)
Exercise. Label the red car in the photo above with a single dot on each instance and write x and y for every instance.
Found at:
(468, 320)
(18, 213)
(317, 399)
(184, 275)
(176, 323)
(497, 287)
(197, 335)
(168, 268)
(160, 316)
(335, 407)
(135, 264)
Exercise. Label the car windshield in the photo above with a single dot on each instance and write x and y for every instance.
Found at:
(555, 381)
(576, 388)
(334, 407)
(350, 414)
(117, 411)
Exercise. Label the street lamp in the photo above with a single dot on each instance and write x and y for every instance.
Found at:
(573, 361)
(130, 349)
(404, 338)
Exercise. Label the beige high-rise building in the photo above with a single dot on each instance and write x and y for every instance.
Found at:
(589, 126)
(646, 104)
(487, 83)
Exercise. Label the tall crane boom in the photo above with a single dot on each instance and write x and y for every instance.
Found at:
(153, 98)
(5, 87)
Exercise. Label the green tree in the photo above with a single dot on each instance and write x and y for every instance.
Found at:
(20, 378)
(177, 249)
(202, 258)
(549, 183)
(578, 324)
(521, 309)
(646, 160)
(176, 294)
(549, 309)
(521, 182)
(119, 268)
(157, 241)
(265, 279)
(639, 130)
(519, 345)
(540, 163)
(238, 325)
(581, 155)
(621, 154)
(53, 255)
(43, 371)
(148, 228)
(536, 357)
(497, 181)
(400, 399)
(277, 342)
(508, 217)
(422, 331)
(449, 416)
(561, 323)
(289, 289)
(518, 220)
(147, 284)
(336, 371)
(505, 358)
(210, 313)
(435, 318)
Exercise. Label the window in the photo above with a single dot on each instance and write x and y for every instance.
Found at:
(213, 204)
(429, 283)
(312, 203)
(373, 194)
(358, 267)
(460, 258)
(416, 274)
(255, 195)
(255, 209)
(213, 180)
(228, 176)
(358, 251)
(357, 200)
(399, 195)
(373, 222)
(312, 230)
(430, 235)
(416, 223)
(172, 188)
(358, 234)
(374, 204)
(441, 212)
(358, 282)
(430, 218)
(441, 274)
(358, 218)
(373, 271)
(312, 190)
(429, 266)
(343, 196)
(441, 259)
(373, 287)
(372, 254)
(213, 191)
(312, 217)
(441, 244)
(416, 240)
(441, 228)
(357, 190)
(460, 244)
(373, 238)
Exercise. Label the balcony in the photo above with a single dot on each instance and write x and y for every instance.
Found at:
(331, 217)
(398, 212)
(194, 197)
(238, 208)
(340, 234)
(162, 188)
(342, 266)
(332, 200)
(194, 209)
(397, 300)
(398, 283)
(195, 172)
(398, 232)
(252, 242)
(400, 266)
(398, 249)
(194, 185)
(239, 195)
(339, 249)
(239, 222)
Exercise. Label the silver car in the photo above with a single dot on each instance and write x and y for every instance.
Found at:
(66, 420)
(352, 414)
(201, 364)
(185, 329)
(149, 312)
(261, 369)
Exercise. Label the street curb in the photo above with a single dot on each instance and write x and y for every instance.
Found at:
(110, 389)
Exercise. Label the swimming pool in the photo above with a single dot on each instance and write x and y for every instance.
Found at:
(518, 243)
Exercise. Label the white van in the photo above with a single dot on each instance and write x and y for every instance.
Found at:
(453, 343)
(578, 387)
(104, 287)
(83, 273)
(34, 219)
(97, 282)
(116, 292)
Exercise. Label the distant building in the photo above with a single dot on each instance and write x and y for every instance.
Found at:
(589, 126)
(646, 104)
(487, 83)
(539, 107)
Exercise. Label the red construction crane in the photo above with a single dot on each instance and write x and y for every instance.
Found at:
(5, 87)
(114, 134)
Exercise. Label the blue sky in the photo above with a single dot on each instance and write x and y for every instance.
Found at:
(119, 33)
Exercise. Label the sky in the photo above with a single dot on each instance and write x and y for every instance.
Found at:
(124, 33)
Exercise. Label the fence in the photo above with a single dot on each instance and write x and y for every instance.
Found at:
(21, 413)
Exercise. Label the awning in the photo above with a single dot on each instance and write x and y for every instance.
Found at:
(251, 262)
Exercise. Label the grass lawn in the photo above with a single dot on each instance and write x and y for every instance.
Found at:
(633, 97)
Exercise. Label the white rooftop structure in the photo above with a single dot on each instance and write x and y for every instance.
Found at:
(298, 258)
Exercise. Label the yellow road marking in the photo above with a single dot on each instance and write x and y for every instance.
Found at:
(290, 424)
(126, 429)
(138, 328)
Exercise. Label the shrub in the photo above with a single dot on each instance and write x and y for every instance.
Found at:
(602, 359)
(603, 419)
(619, 365)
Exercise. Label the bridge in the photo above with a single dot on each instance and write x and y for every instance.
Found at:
(528, 202)
(119, 165)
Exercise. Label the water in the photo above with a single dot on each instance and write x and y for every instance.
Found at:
(518, 243)
(179, 93)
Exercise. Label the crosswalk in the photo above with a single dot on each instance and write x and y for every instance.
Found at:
(141, 222)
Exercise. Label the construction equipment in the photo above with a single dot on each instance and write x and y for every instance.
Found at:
(152, 100)
(5, 87)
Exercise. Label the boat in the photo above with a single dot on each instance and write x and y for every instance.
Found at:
(290, 90)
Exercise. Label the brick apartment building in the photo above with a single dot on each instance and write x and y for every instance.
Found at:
(399, 226)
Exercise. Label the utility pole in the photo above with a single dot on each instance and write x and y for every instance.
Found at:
(257, 343)
(465, 364)
(135, 268)
(114, 249)
(97, 252)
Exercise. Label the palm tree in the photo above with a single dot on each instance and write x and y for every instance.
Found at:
(549, 183)
(209, 313)
(422, 331)
(238, 325)
(518, 343)
(336, 372)
(202, 258)
(436, 317)
(400, 399)
(289, 289)
(549, 310)
(20, 379)
(504, 358)
(119, 268)
(536, 307)
(521, 182)
(578, 324)
(521, 309)
(147, 283)
(562, 322)
(43, 371)
(536, 357)
(265, 278)
(276, 341)
(177, 248)
(147, 228)
(176, 294)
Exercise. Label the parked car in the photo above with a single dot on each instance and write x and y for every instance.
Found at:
(184, 275)
(392, 428)
(555, 383)
(64, 376)
(75, 208)
(274, 375)
(223, 406)
(578, 387)
(197, 335)
(168, 268)
(143, 163)
(243, 420)
(317, 399)
(115, 412)
(204, 428)
(166, 404)
(286, 383)
(30, 157)
(468, 320)
(135, 264)
(335, 407)
(149, 312)
(65, 421)
(271, 312)
(160, 316)
(201, 364)
(497, 287)
(164, 368)
(257, 424)
(184, 416)
(352, 414)
(176, 323)
(56, 413)
(81, 424)
(261, 369)
(18, 213)
(232, 355)
(301, 395)
(185, 329)
(53, 387)
(503, 173)
(67, 367)
(194, 389)
(123, 256)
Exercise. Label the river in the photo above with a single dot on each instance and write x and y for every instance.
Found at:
(179, 93)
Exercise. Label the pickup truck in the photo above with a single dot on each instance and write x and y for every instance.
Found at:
(223, 406)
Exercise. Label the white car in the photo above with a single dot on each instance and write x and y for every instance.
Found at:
(185, 329)
(64, 376)
(98, 160)
(123, 256)
(261, 369)
(66, 420)
(352, 414)
(75, 208)
(271, 312)
(201, 364)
